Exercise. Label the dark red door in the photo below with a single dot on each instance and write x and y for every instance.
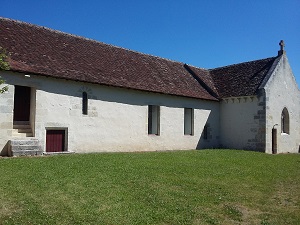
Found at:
(55, 141)
(22, 103)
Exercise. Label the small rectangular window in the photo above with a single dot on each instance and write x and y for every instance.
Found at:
(84, 103)
(153, 119)
(188, 121)
(205, 132)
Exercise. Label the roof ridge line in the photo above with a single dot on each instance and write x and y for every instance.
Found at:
(201, 68)
(221, 67)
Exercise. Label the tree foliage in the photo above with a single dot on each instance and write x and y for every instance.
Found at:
(3, 66)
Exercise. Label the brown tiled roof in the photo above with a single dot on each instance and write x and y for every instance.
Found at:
(43, 51)
(241, 79)
(204, 77)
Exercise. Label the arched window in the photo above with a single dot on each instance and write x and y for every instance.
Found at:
(285, 121)
(84, 103)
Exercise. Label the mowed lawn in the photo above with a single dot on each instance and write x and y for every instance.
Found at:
(179, 187)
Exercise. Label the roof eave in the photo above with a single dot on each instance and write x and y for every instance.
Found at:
(109, 85)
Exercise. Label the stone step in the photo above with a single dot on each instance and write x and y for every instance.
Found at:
(25, 141)
(27, 153)
(22, 129)
(20, 135)
(27, 126)
(24, 147)
(21, 123)
(25, 130)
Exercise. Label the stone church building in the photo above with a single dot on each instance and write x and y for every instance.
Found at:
(71, 94)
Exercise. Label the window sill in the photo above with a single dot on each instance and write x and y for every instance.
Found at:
(284, 134)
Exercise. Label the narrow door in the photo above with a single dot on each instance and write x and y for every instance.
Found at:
(22, 103)
(274, 140)
(55, 141)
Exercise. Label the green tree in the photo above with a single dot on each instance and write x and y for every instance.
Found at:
(3, 66)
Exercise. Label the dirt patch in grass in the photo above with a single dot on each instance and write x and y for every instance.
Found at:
(239, 214)
(228, 214)
(8, 209)
(286, 195)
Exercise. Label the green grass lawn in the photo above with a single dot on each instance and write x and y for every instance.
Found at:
(181, 187)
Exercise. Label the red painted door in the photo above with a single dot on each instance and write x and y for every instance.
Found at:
(22, 103)
(55, 141)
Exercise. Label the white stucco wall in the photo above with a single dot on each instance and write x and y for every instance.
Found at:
(117, 117)
(242, 121)
(282, 91)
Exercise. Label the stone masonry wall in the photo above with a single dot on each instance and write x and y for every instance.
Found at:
(6, 118)
(242, 122)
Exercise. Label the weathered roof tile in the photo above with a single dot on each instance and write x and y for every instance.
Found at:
(241, 79)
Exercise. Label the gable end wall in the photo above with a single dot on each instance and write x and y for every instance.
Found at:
(282, 91)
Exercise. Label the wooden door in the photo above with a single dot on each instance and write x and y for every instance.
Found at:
(22, 103)
(55, 141)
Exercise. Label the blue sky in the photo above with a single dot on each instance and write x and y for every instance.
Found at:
(206, 34)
